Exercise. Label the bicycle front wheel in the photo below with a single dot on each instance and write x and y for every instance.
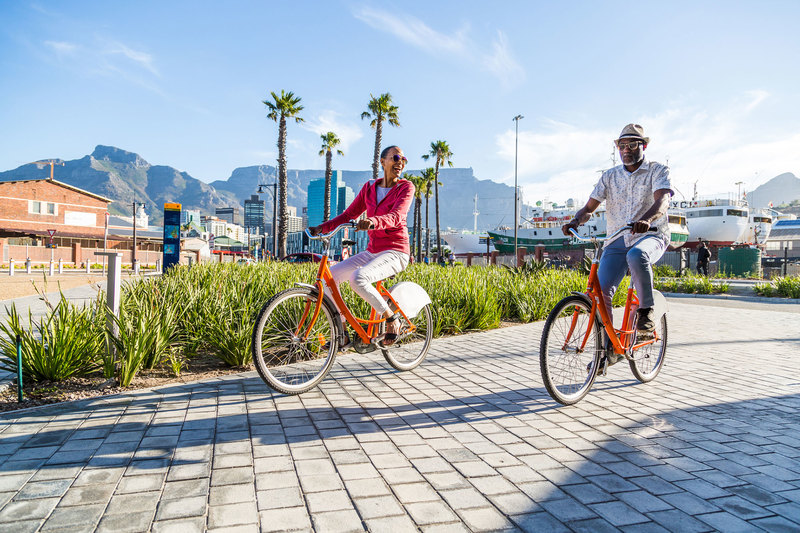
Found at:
(290, 354)
(569, 366)
(648, 360)
(411, 348)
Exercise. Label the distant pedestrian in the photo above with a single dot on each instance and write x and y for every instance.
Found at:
(427, 260)
(703, 255)
(451, 259)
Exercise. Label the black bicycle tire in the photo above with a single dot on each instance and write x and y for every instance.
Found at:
(261, 366)
(551, 387)
(646, 378)
(387, 352)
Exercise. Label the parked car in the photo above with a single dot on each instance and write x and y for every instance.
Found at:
(245, 261)
(303, 257)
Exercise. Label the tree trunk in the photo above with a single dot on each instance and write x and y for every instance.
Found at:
(376, 157)
(419, 229)
(283, 224)
(427, 227)
(328, 172)
(436, 193)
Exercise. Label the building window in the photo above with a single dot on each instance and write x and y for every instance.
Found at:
(36, 207)
(51, 208)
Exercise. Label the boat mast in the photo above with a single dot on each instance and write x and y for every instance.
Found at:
(475, 214)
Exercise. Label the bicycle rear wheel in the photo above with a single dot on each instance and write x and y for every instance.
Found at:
(648, 360)
(410, 349)
(289, 357)
(568, 371)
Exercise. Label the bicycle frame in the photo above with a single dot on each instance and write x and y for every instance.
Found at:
(621, 339)
(325, 277)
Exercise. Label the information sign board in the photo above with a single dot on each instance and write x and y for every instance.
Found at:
(172, 235)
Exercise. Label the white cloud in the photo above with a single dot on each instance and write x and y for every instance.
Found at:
(139, 58)
(62, 48)
(107, 58)
(348, 132)
(715, 147)
(757, 97)
(495, 58)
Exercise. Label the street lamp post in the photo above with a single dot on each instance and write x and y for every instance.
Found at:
(262, 187)
(516, 188)
(135, 205)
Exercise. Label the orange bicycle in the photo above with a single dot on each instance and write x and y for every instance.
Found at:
(300, 330)
(573, 351)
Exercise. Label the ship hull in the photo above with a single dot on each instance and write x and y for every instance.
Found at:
(467, 243)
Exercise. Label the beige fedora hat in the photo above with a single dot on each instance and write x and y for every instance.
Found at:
(633, 131)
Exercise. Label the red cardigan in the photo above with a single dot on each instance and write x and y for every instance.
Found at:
(388, 218)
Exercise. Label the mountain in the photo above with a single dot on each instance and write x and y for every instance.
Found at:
(124, 176)
(458, 189)
(781, 189)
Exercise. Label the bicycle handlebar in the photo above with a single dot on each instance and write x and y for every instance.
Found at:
(607, 237)
(322, 236)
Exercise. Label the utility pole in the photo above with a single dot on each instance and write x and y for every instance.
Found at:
(516, 188)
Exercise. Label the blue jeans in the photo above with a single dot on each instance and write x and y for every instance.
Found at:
(618, 258)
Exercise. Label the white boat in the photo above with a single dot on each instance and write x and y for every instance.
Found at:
(543, 227)
(465, 242)
(717, 220)
(759, 226)
(678, 229)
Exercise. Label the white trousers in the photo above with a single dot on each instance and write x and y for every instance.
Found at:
(366, 268)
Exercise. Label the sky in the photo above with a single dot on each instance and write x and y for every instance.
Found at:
(715, 85)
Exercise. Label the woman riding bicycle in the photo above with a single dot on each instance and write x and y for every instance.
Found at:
(386, 202)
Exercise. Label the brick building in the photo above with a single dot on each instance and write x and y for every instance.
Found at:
(31, 207)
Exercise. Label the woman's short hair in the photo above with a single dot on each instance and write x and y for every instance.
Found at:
(386, 150)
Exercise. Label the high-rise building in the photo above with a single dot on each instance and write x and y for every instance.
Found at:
(232, 215)
(254, 215)
(341, 197)
(294, 223)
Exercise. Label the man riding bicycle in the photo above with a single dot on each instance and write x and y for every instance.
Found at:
(636, 193)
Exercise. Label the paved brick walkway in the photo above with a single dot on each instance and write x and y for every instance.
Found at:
(470, 441)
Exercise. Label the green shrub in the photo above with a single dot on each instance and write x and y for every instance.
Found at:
(690, 284)
(66, 342)
(788, 287)
(664, 271)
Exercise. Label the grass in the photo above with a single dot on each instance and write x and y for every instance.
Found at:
(691, 284)
(210, 309)
(786, 287)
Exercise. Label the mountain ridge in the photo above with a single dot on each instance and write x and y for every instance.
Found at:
(126, 176)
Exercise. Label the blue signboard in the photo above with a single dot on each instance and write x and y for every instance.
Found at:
(172, 235)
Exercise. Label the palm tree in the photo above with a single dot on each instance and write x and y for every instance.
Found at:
(380, 109)
(419, 185)
(429, 176)
(329, 142)
(441, 152)
(280, 107)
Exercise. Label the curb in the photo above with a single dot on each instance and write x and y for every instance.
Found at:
(735, 297)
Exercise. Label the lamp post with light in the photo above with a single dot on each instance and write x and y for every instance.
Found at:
(135, 206)
(516, 188)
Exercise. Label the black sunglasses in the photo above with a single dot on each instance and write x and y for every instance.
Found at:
(397, 158)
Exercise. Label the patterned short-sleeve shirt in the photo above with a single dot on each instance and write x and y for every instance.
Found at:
(628, 195)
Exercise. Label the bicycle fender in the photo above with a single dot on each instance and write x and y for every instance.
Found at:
(583, 296)
(411, 297)
(337, 318)
(659, 305)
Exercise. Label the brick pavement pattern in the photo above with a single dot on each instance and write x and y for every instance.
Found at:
(470, 441)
